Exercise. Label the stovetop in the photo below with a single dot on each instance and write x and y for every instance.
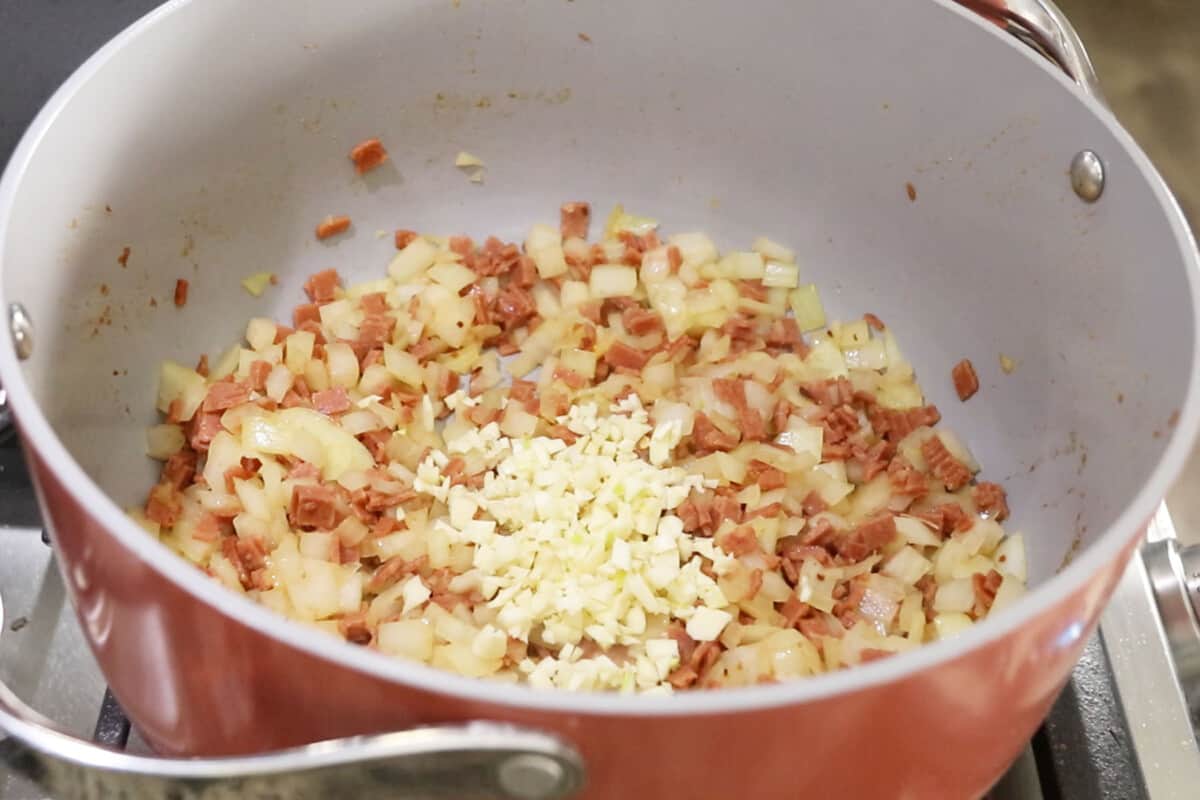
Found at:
(1120, 730)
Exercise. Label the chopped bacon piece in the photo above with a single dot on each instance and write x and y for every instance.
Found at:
(373, 303)
(991, 500)
(570, 377)
(313, 507)
(753, 290)
(894, 424)
(739, 542)
(622, 355)
(985, 587)
(839, 423)
(367, 155)
(906, 479)
(831, 393)
(683, 677)
(785, 333)
(202, 365)
(208, 528)
(874, 321)
(574, 218)
(225, 395)
(245, 469)
(868, 537)
(945, 467)
(332, 226)
(354, 628)
(331, 401)
(204, 427)
(874, 459)
(259, 370)
(321, 287)
(164, 505)
(708, 438)
(869, 654)
(180, 469)
(769, 477)
(756, 581)
(753, 426)
(966, 382)
(375, 330)
(814, 504)
(674, 258)
(123, 259)
(181, 293)
(945, 518)
(793, 610)
(496, 258)
(769, 510)
(641, 321)
(513, 307)
(305, 313)
(392, 571)
(403, 238)
(463, 245)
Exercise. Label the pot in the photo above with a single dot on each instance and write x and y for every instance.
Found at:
(926, 165)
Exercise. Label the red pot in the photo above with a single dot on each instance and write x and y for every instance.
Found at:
(922, 161)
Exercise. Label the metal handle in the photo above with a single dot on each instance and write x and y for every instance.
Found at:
(1040, 24)
(474, 761)
(1174, 574)
(471, 761)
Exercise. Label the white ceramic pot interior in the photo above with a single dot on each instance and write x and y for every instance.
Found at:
(212, 144)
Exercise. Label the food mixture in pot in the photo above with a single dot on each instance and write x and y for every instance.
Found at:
(633, 464)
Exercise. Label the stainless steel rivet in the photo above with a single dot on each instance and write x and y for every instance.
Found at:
(531, 776)
(1087, 175)
(21, 328)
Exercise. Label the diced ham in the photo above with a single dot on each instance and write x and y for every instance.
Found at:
(305, 313)
(869, 537)
(204, 427)
(641, 321)
(906, 479)
(179, 469)
(321, 287)
(574, 219)
(163, 505)
(708, 438)
(403, 238)
(814, 504)
(943, 465)
(513, 307)
(375, 330)
(313, 507)
(259, 370)
(831, 393)
(331, 401)
(991, 500)
(966, 382)
(496, 258)
(181, 293)
(753, 427)
(367, 155)
(753, 290)
(739, 542)
(225, 395)
(332, 226)
(947, 518)
(392, 570)
(894, 424)
(985, 587)
(373, 303)
(623, 355)
(839, 423)
(354, 628)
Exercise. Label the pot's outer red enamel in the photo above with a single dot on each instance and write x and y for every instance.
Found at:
(200, 683)
(913, 155)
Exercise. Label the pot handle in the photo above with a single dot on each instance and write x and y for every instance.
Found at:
(471, 761)
(1043, 26)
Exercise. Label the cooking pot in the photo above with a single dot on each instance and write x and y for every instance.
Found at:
(925, 164)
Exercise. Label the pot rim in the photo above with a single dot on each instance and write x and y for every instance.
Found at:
(40, 439)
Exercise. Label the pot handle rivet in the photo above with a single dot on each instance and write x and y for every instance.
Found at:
(21, 328)
(1087, 175)
(531, 777)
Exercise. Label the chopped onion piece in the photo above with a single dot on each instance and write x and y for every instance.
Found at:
(257, 283)
(780, 275)
(806, 306)
(164, 441)
(612, 280)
